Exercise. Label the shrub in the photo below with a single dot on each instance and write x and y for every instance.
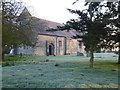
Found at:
(8, 63)
(56, 64)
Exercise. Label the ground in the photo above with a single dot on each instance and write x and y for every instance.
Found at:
(68, 71)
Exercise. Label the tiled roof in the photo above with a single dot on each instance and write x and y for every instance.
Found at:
(68, 34)
(41, 26)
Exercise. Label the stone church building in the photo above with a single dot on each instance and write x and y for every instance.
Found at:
(57, 43)
(49, 42)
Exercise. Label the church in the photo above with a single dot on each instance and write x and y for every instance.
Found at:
(58, 43)
(50, 42)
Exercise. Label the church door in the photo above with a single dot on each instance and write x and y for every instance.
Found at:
(51, 49)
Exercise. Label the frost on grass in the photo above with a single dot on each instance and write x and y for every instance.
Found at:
(94, 85)
(61, 72)
(69, 86)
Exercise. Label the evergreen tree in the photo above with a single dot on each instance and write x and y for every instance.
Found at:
(93, 23)
(114, 16)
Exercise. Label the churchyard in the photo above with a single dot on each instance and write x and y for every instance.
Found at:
(68, 71)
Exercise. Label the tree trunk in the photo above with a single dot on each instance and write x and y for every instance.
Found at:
(3, 53)
(2, 57)
(119, 54)
(91, 59)
(119, 57)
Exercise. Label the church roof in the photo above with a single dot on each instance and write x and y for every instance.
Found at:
(41, 26)
(25, 12)
(68, 34)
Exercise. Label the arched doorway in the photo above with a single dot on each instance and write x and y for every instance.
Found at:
(51, 49)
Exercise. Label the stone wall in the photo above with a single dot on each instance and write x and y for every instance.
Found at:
(69, 46)
(75, 46)
(60, 45)
(25, 50)
(43, 43)
(40, 48)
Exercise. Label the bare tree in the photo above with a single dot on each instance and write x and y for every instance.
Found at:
(11, 29)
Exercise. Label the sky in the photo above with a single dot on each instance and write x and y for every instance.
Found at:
(53, 10)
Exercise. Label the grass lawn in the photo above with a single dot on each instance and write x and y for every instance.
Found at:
(60, 72)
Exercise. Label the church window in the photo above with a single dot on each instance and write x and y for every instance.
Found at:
(60, 43)
(80, 44)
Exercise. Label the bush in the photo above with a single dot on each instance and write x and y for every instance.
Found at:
(8, 63)
(56, 64)
(10, 60)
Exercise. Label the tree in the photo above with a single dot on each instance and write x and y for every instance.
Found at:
(114, 11)
(0, 34)
(88, 22)
(12, 32)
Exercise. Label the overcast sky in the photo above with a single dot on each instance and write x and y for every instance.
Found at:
(53, 10)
